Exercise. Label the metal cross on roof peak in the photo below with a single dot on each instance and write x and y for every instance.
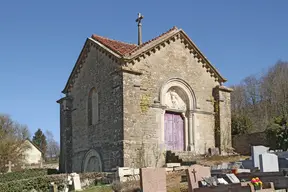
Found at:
(138, 20)
(140, 17)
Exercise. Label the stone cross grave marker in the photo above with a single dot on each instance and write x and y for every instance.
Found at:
(23, 166)
(256, 151)
(9, 165)
(196, 173)
(153, 179)
(269, 163)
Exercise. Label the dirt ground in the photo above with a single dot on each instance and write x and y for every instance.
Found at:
(173, 178)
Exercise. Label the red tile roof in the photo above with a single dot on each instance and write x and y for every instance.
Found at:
(123, 48)
(148, 42)
(117, 46)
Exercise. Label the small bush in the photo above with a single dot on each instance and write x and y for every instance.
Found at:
(25, 174)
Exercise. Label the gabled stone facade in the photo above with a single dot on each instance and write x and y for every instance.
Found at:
(138, 89)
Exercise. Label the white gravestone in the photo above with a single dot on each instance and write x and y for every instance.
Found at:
(269, 162)
(232, 178)
(256, 151)
(76, 182)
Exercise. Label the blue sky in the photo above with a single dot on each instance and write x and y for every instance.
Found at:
(41, 40)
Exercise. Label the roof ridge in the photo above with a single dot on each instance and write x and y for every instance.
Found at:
(107, 38)
(153, 39)
(124, 48)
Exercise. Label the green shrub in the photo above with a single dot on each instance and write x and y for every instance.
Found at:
(25, 174)
(42, 182)
(277, 133)
(38, 183)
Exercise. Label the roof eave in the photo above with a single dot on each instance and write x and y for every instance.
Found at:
(206, 60)
(65, 90)
(114, 53)
(148, 47)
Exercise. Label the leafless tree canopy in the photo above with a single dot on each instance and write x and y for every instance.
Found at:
(257, 100)
(53, 148)
(12, 137)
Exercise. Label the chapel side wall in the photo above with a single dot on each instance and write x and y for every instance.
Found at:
(171, 61)
(105, 136)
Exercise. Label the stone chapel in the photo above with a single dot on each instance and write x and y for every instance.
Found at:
(127, 104)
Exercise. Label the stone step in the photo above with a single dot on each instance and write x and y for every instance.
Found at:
(171, 165)
(186, 157)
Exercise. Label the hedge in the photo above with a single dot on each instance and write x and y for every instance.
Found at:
(37, 183)
(42, 183)
(25, 174)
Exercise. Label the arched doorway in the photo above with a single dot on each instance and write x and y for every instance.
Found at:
(177, 122)
(92, 162)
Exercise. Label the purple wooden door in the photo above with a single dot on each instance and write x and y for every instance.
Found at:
(174, 132)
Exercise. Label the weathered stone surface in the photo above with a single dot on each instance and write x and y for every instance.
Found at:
(146, 125)
(106, 136)
(153, 179)
(130, 127)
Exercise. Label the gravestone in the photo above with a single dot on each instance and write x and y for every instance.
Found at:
(283, 162)
(40, 163)
(256, 151)
(232, 178)
(9, 165)
(153, 179)
(269, 163)
(76, 181)
(196, 173)
(247, 164)
(53, 187)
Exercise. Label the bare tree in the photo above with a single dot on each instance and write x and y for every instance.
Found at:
(261, 99)
(53, 148)
(12, 145)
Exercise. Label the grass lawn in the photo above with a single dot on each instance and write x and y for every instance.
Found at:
(99, 189)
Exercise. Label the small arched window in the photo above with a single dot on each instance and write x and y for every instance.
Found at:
(93, 108)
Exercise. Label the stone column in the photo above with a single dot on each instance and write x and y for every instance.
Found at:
(191, 131)
(162, 127)
(194, 131)
(186, 132)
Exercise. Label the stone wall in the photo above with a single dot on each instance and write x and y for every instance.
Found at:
(141, 96)
(242, 143)
(105, 137)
